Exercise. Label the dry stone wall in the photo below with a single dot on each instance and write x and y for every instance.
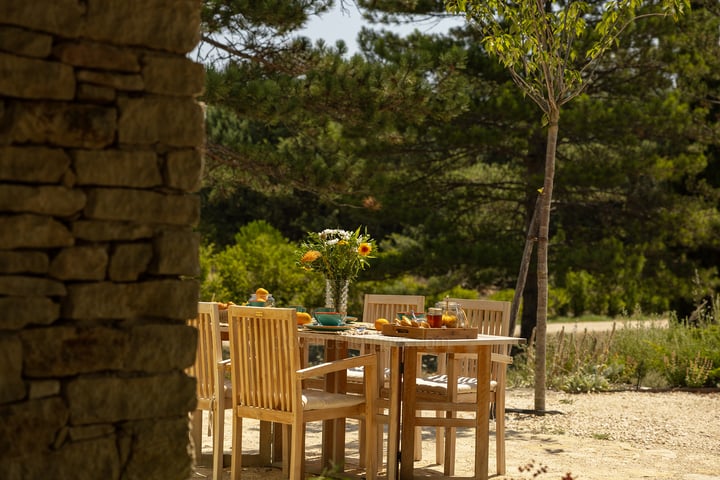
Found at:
(101, 137)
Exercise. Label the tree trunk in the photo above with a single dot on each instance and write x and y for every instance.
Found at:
(542, 259)
(524, 267)
(529, 315)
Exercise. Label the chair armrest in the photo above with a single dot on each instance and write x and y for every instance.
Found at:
(500, 358)
(337, 365)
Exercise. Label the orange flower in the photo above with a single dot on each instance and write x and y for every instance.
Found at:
(310, 256)
(364, 249)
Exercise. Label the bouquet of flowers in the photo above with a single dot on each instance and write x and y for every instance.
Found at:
(339, 255)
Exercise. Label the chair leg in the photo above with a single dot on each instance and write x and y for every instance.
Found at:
(439, 441)
(236, 458)
(218, 438)
(500, 434)
(196, 434)
(450, 440)
(296, 451)
(418, 444)
(362, 434)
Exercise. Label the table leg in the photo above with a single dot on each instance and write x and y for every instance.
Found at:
(333, 435)
(407, 440)
(394, 412)
(482, 417)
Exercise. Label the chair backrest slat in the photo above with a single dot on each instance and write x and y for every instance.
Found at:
(387, 306)
(209, 350)
(265, 353)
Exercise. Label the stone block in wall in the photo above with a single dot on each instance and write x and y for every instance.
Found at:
(24, 286)
(33, 231)
(129, 261)
(173, 299)
(80, 263)
(82, 460)
(172, 121)
(87, 432)
(12, 386)
(20, 41)
(142, 206)
(161, 347)
(33, 164)
(125, 82)
(156, 452)
(109, 399)
(28, 78)
(44, 200)
(101, 231)
(97, 56)
(172, 75)
(67, 351)
(52, 16)
(23, 262)
(176, 253)
(119, 168)
(172, 25)
(95, 93)
(19, 312)
(43, 388)
(183, 170)
(61, 124)
(29, 428)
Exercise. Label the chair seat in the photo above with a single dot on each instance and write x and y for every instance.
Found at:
(438, 384)
(317, 399)
(355, 374)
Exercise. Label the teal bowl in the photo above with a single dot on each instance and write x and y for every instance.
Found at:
(330, 319)
(257, 304)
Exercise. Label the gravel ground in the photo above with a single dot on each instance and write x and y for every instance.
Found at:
(619, 435)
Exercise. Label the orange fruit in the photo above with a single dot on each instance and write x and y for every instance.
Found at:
(303, 318)
(380, 322)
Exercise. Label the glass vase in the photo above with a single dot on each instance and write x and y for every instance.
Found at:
(336, 293)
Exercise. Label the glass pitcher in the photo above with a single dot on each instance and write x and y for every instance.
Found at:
(453, 316)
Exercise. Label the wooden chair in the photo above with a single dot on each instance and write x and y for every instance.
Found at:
(213, 391)
(376, 305)
(266, 373)
(458, 383)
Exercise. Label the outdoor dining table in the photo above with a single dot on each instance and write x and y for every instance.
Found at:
(402, 384)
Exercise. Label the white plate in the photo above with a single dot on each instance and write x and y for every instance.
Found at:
(328, 328)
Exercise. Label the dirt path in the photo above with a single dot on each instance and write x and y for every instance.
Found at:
(608, 436)
(555, 327)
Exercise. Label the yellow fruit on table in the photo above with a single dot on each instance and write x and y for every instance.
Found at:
(303, 318)
(449, 321)
(261, 295)
(380, 322)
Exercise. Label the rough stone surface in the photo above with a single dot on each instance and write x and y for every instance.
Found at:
(150, 120)
(16, 285)
(44, 418)
(80, 263)
(100, 134)
(82, 350)
(33, 164)
(27, 78)
(129, 261)
(63, 124)
(142, 206)
(175, 253)
(101, 231)
(24, 42)
(179, 343)
(49, 200)
(108, 399)
(23, 262)
(97, 56)
(154, 448)
(12, 386)
(172, 75)
(176, 299)
(183, 170)
(18, 312)
(117, 168)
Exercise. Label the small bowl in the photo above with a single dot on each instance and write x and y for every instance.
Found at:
(330, 319)
(255, 303)
(324, 310)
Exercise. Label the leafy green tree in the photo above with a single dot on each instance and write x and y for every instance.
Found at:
(539, 43)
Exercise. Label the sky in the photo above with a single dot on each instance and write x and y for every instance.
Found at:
(345, 25)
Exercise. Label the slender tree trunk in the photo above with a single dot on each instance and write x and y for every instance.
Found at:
(524, 265)
(542, 259)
